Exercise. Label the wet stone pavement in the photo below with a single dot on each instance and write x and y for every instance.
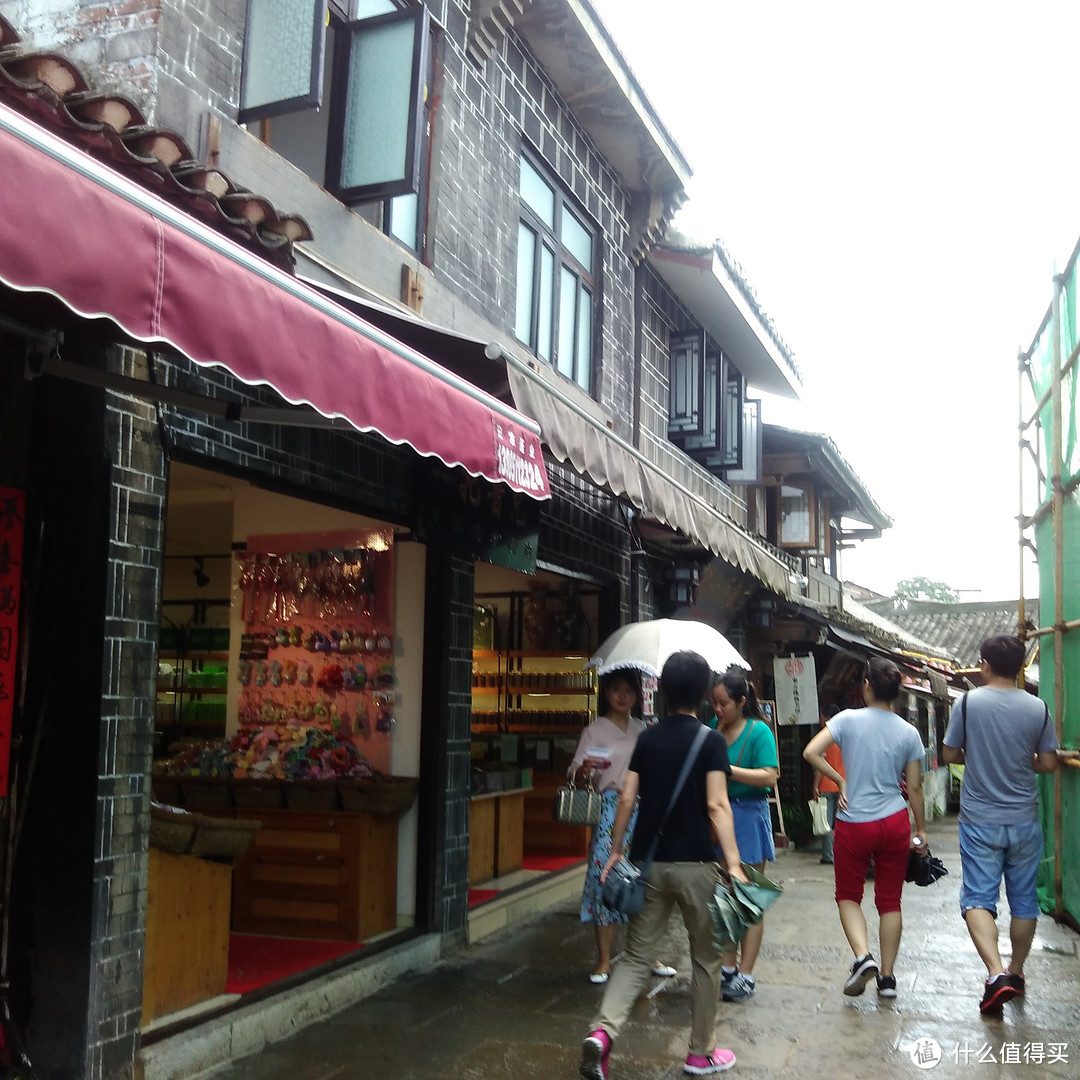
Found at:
(517, 1005)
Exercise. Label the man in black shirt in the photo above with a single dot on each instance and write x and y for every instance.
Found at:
(683, 871)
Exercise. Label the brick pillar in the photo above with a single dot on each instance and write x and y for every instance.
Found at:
(445, 746)
(78, 909)
(129, 680)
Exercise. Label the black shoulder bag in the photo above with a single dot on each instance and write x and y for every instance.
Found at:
(624, 888)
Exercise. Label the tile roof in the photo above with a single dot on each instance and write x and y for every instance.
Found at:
(962, 627)
(53, 91)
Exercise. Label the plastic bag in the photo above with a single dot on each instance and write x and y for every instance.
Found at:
(819, 815)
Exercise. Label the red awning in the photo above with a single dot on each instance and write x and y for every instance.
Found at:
(80, 231)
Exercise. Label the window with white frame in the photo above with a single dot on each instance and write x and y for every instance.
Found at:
(368, 63)
(556, 279)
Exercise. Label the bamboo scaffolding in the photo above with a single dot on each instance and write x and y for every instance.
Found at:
(1053, 506)
(1059, 578)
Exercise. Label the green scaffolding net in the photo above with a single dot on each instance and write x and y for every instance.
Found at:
(1042, 365)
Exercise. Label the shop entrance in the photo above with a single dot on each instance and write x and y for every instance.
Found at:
(288, 729)
(531, 697)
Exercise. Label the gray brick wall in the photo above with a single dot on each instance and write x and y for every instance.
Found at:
(129, 678)
(115, 44)
(483, 119)
(458, 756)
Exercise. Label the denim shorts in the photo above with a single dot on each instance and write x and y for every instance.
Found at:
(990, 852)
(753, 830)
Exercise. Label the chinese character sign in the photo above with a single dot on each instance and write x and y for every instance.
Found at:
(520, 458)
(12, 525)
(649, 686)
(796, 689)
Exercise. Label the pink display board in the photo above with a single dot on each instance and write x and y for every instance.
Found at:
(317, 645)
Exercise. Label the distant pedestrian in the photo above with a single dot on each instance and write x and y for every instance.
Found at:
(683, 872)
(872, 821)
(754, 768)
(602, 758)
(1002, 736)
(824, 786)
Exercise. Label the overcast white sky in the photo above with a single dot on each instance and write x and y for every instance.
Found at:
(897, 182)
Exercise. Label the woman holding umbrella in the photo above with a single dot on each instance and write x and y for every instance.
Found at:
(602, 757)
(754, 769)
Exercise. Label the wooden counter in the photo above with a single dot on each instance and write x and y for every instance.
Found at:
(330, 875)
(544, 836)
(187, 932)
(496, 834)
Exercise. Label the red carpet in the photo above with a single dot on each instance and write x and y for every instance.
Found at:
(479, 896)
(258, 961)
(549, 862)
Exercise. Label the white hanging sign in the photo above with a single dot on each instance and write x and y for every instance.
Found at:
(796, 689)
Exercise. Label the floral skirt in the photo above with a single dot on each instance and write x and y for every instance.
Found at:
(592, 908)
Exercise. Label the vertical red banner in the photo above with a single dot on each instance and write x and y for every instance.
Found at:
(12, 529)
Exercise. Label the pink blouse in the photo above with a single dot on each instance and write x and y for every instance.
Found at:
(604, 739)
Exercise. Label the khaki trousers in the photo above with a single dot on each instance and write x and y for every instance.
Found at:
(690, 886)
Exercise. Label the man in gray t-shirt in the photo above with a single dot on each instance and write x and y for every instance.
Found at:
(1003, 736)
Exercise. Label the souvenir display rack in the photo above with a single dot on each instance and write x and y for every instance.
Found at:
(317, 643)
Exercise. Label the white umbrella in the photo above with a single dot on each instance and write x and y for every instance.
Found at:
(646, 645)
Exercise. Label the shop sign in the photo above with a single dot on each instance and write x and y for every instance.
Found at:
(796, 689)
(519, 458)
(650, 686)
(478, 520)
(12, 527)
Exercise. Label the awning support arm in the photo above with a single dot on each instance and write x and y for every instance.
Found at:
(291, 416)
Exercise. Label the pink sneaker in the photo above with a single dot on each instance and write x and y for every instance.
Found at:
(718, 1061)
(595, 1051)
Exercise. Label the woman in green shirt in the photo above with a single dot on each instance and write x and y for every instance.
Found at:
(754, 768)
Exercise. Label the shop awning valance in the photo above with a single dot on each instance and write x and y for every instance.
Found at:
(80, 231)
(581, 438)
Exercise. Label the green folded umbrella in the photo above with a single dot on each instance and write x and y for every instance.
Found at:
(738, 905)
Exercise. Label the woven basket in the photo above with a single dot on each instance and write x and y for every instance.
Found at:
(258, 794)
(311, 794)
(390, 795)
(166, 789)
(222, 839)
(205, 792)
(171, 830)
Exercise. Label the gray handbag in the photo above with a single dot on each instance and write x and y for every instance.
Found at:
(623, 889)
(577, 806)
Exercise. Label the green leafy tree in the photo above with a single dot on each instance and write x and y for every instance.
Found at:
(922, 588)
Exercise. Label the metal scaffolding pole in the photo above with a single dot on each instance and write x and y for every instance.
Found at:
(1059, 576)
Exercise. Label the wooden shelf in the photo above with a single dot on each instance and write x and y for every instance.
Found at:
(193, 654)
(521, 654)
(542, 693)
